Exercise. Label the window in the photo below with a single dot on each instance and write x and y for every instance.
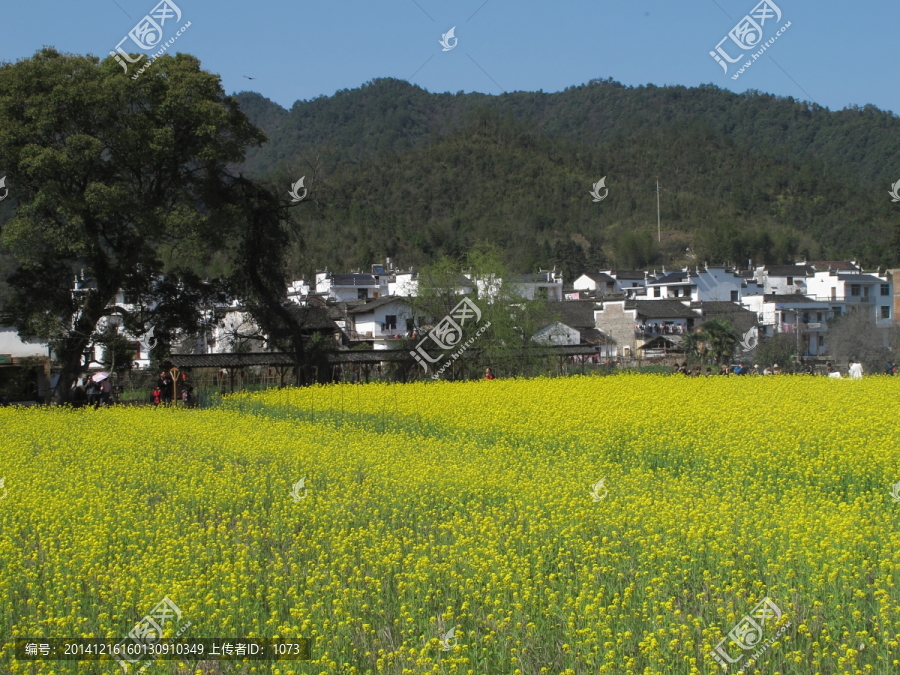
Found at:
(866, 291)
(390, 322)
(656, 292)
(610, 284)
(734, 296)
(885, 289)
(819, 317)
(362, 294)
(837, 311)
(885, 312)
(133, 299)
(805, 317)
(854, 290)
(790, 281)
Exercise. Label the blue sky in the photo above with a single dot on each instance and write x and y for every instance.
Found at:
(835, 54)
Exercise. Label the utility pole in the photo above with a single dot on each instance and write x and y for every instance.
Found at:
(658, 232)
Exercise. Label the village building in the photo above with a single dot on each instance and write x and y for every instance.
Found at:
(872, 292)
(632, 323)
(800, 316)
(382, 322)
(783, 279)
(573, 323)
(703, 284)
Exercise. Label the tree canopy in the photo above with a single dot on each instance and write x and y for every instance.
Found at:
(128, 181)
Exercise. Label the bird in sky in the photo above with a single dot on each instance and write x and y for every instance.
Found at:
(250, 78)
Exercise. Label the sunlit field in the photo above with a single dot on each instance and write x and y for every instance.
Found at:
(567, 526)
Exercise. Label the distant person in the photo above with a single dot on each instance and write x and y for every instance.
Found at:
(488, 374)
(708, 371)
(92, 389)
(767, 370)
(4, 401)
(723, 370)
(105, 391)
(156, 396)
(755, 369)
(828, 369)
(856, 370)
(889, 368)
(165, 387)
(776, 370)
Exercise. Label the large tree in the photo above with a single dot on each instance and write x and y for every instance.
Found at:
(129, 181)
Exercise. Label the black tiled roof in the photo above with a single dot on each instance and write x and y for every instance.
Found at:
(372, 305)
(661, 309)
(600, 277)
(789, 270)
(628, 274)
(352, 280)
(672, 278)
(863, 278)
(576, 313)
(720, 307)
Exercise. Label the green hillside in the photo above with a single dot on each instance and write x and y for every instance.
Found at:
(390, 115)
(508, 183)
(397, 171)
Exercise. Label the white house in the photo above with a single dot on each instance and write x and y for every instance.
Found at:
(384, 322)
(546, 285)
(557, 333)
(404, 284)
(798, 315)
(353, 286)
(628, 282)
(855, 289)
(598, 282)
(783, 279)
(543, 285)
(703, 284)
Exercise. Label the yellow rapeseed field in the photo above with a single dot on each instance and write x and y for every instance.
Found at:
(579, 526)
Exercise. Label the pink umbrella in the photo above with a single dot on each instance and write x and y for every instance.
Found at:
(99, 377)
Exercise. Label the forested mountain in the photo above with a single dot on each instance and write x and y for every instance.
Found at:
(507, 183)
(390, 115)
(397, 171)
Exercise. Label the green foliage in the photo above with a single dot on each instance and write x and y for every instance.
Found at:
(720, 339)
(389, 116)
(506, 183)
(117, 350)
(855, 336)
(776, 349)
(124, 179)
(508, 321)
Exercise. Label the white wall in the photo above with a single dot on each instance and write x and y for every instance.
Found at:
(370, 322)
(11, 344)
(715, 284)
(557, 334)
